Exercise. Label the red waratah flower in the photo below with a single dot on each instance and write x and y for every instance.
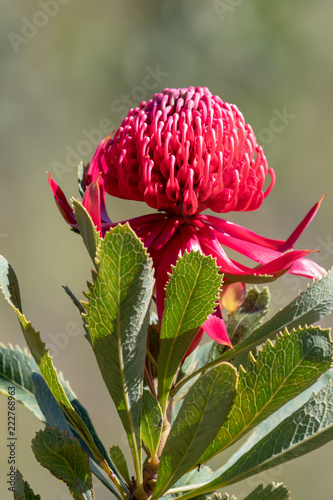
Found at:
(183, 152)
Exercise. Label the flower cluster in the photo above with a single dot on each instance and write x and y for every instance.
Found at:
(182, 152)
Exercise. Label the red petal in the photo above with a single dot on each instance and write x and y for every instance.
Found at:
(253, 251)
(211, 246)
(194, 344)
(240, 232)
(62, 203)
(300, 228)
(281, 263)
(92, 202)
(307, 268)
(215, 328)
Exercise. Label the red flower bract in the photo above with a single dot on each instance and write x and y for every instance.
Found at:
(185, 151)
(182, 152)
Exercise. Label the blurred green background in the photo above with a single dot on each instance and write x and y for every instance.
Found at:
(67, 66)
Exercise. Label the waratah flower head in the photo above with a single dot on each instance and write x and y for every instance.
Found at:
(182, 152)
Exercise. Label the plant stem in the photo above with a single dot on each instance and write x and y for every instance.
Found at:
(166, 426)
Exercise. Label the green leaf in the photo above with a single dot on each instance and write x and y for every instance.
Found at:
(199, 475)
(48, 404)
(271, 492)
(117, 318)
(64, 458)
(249, 315)
(280, 372)
(82, 412)
(22, 489)
(190, 481)
(10, 289)
(118, 459)
(151, 423)
(203, 411)
(191, 295)
(16, 368)
(305, 430)
(75, 301)
(9, 284)
(86, 227)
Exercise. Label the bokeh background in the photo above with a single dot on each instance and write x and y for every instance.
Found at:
(69, 69)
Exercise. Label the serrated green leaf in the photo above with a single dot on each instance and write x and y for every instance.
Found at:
(151, 423)
(271, 492)
(22, 489)
(191, 296)
(10, 289)
(16, 368)
(203, 411)
(64, 458)
(117, 318)
(278, 374)
(86, 227)
(118, 459)
(305, 430)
